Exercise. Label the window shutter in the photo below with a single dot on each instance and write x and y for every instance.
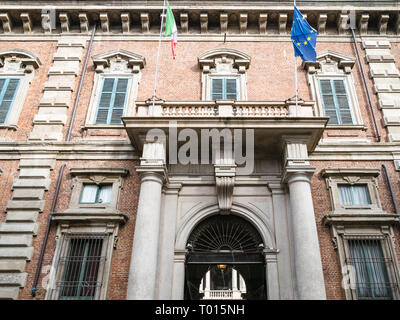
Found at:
(217, 89)
(328, 101)
(119, 101)
(231, 89)
(105, 101)
(7, 95)
(342, 101)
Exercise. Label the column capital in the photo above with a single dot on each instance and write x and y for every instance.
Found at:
(155, 173)
(172, 188)
(295, 151)
(297, 173)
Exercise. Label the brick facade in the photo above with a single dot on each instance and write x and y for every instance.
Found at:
(269, 78)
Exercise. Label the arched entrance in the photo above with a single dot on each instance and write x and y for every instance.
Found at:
(225, 260)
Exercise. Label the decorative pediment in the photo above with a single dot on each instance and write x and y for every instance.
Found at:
(18, 60)
(330, 62)
(119, 61)
(223, 58)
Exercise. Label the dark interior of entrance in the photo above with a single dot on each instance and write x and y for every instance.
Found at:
(225, 260)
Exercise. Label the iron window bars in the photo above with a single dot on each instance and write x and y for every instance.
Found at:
(81, 266)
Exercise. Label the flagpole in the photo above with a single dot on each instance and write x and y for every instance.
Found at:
(295, 69)
(158, 55)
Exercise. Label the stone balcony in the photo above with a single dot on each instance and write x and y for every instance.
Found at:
(268, 121)
(224, 108)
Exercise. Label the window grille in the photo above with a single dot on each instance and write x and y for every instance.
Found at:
(8, 90)
(335, 101)
(81, 264)
(357, 194)
(371, 278)
(224, 89)
(93, 193)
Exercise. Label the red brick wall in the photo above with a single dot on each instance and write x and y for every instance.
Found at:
(121, 255)
(322, 207)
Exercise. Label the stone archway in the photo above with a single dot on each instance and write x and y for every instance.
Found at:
(225, 246)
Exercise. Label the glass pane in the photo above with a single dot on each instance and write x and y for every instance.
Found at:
(231, 92)
(216, 89)
(89, 193)
(354, 194)
(371, 277)
(105, 193)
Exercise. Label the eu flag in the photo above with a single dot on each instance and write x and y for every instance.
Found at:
(304, 37)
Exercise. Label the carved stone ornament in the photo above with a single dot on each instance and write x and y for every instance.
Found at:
(225, 182)
(119, 61)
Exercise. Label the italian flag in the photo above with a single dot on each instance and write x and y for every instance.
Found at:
(170, 29)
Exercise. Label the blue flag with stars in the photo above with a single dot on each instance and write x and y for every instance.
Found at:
(304, 37)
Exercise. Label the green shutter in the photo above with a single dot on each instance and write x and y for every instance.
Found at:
(335, 101)
(112, 101)
(119, 101)
(8, 89)
(342, 102)
(231, 89)
(217, 89)
(328, 101)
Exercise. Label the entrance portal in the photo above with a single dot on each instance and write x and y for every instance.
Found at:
(225, 260)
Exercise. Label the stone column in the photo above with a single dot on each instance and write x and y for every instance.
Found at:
(143, 267)
(144, 258)
(309, 279)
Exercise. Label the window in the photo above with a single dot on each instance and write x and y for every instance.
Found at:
(332, 87)
(224, 89)
(353, 190)
(115, 87)
(8, 90)
(112, 100)
(335, 101)
(81, 265)
(17, 69)
(371, 277)
(354, 194)
(93, 193)
(224, 75)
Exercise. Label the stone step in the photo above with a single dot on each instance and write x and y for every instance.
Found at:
(15, 227)
(16, 253)
(12, 265)
(22, 216)
(9, 293)
(25, 205)
(13, 279)
(12, 240)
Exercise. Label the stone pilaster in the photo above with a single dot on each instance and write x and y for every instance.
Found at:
(57, 96)
(21, 225)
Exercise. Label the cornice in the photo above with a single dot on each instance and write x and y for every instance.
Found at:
(207, 17)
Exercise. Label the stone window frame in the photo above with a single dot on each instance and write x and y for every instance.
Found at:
(115, 64)
(335, 176)
(18, 63)
(90, 219)
(333, 65)
(97, 176)
(64, 229)
(224, 63)
(363, 229)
